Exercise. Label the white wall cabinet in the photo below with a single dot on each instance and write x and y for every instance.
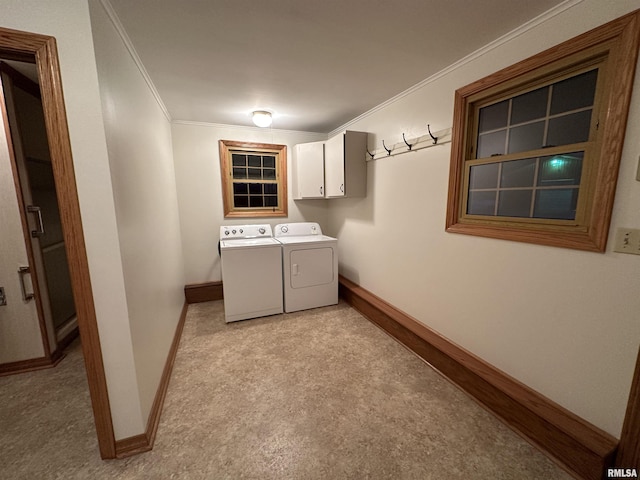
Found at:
(308, 174)
(332, 169)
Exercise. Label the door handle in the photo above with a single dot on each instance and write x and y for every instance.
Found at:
(3, 297)
(294, 269)
(22, 272)
(38, 212)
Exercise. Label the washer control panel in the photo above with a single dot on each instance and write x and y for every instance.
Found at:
(245, 231)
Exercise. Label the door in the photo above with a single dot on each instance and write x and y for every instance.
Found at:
(311, 267)
(37, 185)
(310, 169)
(334, 166)
(20, 330)
(44, 272)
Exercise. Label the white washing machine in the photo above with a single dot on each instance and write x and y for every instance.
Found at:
(309, 264)
(251, 272)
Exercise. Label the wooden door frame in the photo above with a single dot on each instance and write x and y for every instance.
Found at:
(41, 49)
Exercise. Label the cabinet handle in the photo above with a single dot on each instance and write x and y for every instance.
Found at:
(321, 190)
(38, 212)
(22, 271)
(342, 187)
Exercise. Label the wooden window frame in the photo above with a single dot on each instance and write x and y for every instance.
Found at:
(618, 43)
(227, 147)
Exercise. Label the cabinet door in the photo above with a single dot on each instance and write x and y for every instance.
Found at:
(310, 169)
(334, 166)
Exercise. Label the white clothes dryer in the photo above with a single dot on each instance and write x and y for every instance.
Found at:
(309, 265)
(251, 272)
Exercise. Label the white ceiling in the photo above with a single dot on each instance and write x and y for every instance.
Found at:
(314, 64)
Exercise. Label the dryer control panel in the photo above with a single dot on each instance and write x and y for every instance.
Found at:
(298, 229)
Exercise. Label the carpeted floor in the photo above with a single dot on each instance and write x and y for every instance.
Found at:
(320, 394)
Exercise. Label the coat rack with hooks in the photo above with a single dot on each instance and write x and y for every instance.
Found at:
(430, 139)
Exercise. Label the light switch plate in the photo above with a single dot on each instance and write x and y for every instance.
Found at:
(627, 241)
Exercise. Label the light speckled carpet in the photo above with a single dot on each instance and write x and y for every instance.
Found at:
(320, 394)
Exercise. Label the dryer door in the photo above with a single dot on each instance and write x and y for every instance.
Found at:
(311, 267)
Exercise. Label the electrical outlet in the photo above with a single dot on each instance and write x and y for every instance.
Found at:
(627, 241)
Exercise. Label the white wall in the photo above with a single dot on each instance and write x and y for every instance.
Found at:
(68, 21)
(197, 160)
(122, 154)
(144, 189)
(563, 322)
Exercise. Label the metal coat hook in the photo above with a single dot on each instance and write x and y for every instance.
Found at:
(406, 143)
(435, 139)
(370, 154)
(385, 147)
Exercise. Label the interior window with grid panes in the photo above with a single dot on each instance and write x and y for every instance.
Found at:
(254, 179)
(536, 146)
(528, 183)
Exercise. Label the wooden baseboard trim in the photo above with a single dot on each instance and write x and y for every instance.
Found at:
(32, 364)
(203, 292)
(582, 448)
(629, 448)
(133, 445)
(129, 446)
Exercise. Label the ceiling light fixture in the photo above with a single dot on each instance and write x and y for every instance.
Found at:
(262, 118)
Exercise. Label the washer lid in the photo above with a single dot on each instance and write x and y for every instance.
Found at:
(248, 243)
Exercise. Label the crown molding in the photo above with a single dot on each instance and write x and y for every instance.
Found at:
(246, 127)
(108, 8)
(506, 38)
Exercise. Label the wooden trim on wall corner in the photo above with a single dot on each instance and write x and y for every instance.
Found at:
(203, 292)
(580, 447)
(129, 446)
(63, 170)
